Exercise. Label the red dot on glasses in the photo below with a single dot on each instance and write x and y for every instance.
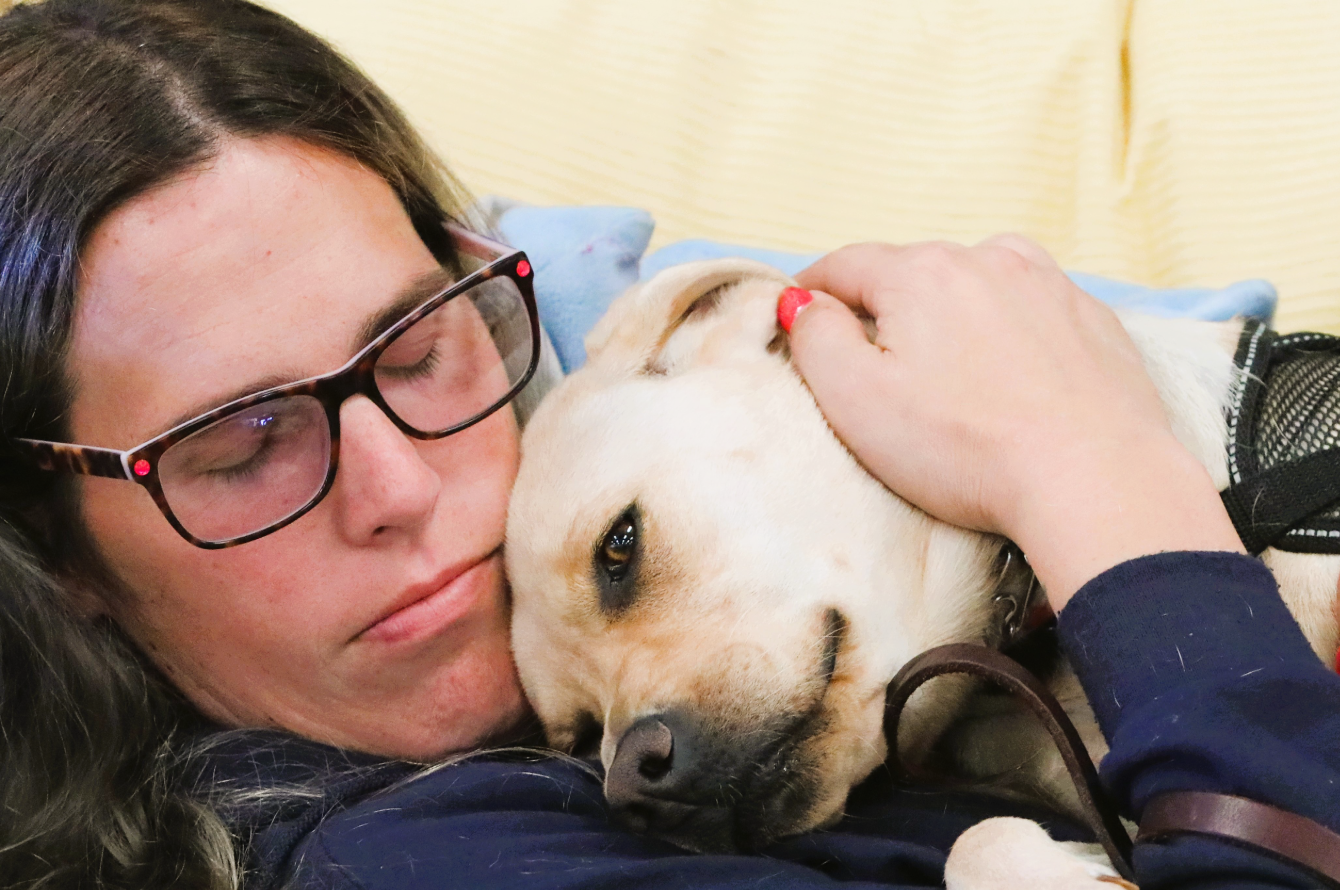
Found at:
(523, 268)
(141, 467)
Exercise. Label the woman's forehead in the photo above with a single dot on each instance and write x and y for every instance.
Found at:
(261, 266)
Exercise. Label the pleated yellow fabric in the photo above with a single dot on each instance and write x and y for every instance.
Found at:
(1171, 142)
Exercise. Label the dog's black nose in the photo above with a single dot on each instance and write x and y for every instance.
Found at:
(645, 754)
(660, 783)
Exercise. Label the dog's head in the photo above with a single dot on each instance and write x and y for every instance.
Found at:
(708, 589)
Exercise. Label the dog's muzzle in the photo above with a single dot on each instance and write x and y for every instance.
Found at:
(693, 781)
(675, 779)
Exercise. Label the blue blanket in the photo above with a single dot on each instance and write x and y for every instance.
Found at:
(584, 257)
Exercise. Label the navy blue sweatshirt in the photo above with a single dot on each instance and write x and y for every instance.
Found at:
(1200, 678)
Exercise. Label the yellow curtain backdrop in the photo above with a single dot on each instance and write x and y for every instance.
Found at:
(1172, 142)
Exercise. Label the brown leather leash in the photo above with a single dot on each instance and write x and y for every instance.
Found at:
(1286, 835)
(1245, 822)
(979, 661)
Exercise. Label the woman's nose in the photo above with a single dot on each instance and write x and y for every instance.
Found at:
(383, 485)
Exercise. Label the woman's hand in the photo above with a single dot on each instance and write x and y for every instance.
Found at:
(999, 396)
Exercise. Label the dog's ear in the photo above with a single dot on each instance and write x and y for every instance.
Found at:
(658, 324)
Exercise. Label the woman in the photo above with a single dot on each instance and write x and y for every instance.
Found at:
(217, 149)
(234, 667)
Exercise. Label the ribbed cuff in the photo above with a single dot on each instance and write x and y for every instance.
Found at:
(1148, 626)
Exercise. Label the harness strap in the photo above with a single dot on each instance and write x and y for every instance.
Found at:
(1264, 507)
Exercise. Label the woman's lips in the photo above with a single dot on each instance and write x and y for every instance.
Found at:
(437, 606)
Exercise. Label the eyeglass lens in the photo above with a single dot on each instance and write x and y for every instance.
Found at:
(259, 466)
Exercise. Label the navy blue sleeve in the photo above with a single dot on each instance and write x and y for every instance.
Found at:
(1202, 680)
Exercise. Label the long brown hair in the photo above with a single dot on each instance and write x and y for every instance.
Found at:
(101, 100)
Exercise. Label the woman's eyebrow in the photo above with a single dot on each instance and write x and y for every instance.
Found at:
(419, 290)
(205, 406)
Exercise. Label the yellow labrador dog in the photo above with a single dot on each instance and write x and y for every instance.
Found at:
(701, 569)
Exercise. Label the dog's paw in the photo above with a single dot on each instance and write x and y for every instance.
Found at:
(1007, 853)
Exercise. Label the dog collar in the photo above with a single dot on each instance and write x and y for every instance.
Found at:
(1284, 441)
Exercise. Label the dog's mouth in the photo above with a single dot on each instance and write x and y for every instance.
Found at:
(686, 779)
(781, 791)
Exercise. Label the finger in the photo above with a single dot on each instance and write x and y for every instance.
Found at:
(1025, 247)
(852, 274)
(832, 352)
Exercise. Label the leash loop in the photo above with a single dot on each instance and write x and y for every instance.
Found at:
(988, 664)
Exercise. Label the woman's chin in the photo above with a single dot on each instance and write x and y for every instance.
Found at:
(479, 703)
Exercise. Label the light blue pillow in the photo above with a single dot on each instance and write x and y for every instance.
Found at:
(584, 257)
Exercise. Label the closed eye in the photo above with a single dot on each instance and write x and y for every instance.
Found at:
(616, 561)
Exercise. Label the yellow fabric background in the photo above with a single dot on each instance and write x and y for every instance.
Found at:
(1172, 142)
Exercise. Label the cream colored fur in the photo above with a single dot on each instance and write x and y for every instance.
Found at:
(756, 522)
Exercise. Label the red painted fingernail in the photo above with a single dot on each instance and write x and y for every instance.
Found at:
(789, 304)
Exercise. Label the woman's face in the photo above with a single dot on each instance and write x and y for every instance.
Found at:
(379, 620)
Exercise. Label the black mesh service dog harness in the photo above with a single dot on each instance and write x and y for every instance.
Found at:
(1284, 442)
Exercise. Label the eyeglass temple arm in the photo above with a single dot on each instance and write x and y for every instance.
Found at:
(83, 459)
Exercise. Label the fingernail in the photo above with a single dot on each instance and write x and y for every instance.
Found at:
(789, 304)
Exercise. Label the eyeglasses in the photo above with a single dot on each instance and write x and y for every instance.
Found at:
(254, 465)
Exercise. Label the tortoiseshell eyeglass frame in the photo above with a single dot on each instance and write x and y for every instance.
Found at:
(355, 377)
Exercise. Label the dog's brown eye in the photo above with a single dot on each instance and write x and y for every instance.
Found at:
(616, 561)
(620, 544)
